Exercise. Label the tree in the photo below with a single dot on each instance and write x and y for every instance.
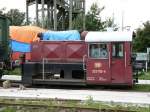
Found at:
(109, 23)
(142, 40)
(40, 22)
(78, 22)
(2, 10)
(17, 17)
(93, 19)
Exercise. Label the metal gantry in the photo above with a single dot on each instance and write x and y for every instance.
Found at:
(59, 14)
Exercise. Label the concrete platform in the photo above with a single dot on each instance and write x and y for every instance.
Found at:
(144, 82)
(141, 98)
(18, 78)
(11, 77)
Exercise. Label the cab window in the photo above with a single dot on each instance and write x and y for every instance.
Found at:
(98, 51)
(117, 50)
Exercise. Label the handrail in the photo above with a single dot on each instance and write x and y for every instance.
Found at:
(125, 60)
(43, 73)
(109, 60)
(84, 62)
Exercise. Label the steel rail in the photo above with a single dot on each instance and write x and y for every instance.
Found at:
(64, 107)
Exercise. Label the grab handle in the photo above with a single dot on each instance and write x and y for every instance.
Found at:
(84, 62)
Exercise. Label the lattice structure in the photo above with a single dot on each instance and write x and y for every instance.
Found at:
(58, 13)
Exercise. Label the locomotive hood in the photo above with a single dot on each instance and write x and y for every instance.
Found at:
(72, 35)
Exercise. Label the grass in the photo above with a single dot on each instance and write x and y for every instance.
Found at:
(8, 109)
(141, 88)
(16, 71)
(144, 75)
(89, 103)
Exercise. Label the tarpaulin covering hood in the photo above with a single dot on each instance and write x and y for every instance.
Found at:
(26, 34)
(61, 35)
(20, 46)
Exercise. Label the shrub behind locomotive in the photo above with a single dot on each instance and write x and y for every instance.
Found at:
(4, 43)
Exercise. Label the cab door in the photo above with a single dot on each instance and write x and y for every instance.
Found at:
(97, 65)
(118, 63)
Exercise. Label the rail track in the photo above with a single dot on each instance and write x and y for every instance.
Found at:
(56, 108)
(117, 96)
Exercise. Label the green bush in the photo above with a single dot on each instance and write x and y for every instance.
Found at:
(144, 75)
(16, 71)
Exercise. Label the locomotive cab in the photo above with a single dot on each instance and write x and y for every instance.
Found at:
(109, 58)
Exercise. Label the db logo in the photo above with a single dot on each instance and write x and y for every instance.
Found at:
(97, 65)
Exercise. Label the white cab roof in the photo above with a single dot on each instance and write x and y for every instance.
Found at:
(109, 36)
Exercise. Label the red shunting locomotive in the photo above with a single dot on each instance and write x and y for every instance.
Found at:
(103, 58)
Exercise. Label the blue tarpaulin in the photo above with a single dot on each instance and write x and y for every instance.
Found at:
(61, 35)
(19, 46)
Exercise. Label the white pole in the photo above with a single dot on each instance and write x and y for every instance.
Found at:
(146, 66)
(122, 20)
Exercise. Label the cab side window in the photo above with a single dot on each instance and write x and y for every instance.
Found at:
(98, 51)
(117, 50)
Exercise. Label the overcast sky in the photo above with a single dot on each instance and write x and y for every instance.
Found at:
(134, 12)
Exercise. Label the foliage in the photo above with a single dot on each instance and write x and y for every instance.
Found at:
(89, 100)
(109, 23)
(16, 71)
(17, 17)
(42, 22)
(141, 88)
(142, 40)
(93, 20)
(2, 11)
(144, 75)
(78, 22)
